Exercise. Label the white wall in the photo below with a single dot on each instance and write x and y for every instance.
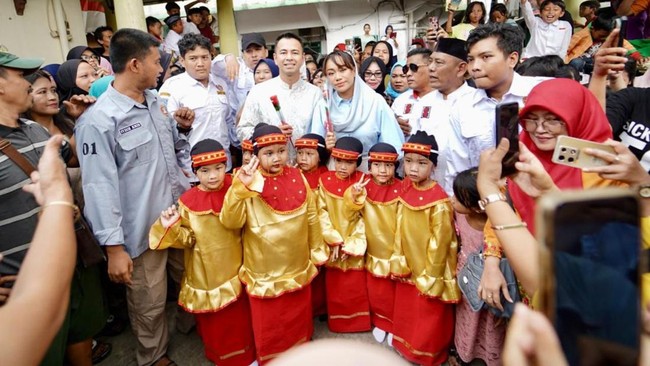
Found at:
(346, 20)
(29, 35)
(277, 19)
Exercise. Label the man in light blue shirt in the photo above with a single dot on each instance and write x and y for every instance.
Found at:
(132, 160)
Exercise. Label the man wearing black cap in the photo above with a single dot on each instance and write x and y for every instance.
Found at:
(239, 72)
(19, 210)
(447, 72)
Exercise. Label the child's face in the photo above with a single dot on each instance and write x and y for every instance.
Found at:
(585, 11)
(459, 207)
(344, 168)
(273, 158)
(417, 168)
(211, 176)
(246, 157)
(476, 14)
(551, 12)
(382, 173)
(497, 17)
(196, 18)
(307, 159)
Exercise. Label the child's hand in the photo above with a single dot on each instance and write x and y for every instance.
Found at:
(330, 140)
(357, 188)
(169, 216)
(334, 254)
(246, 172)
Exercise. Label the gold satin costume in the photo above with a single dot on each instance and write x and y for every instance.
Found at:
(341, 221)
(427, 240)
(213, 253)
(380, 205)
(281, 233)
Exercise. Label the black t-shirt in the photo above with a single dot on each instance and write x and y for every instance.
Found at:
(628, 112)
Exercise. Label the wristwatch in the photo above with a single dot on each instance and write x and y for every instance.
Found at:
(644, 191)
(183, 130)
(491, 198)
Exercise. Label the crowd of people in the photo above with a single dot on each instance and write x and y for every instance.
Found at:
(278, 188)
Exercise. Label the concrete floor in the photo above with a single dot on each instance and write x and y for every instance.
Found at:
(187, 350)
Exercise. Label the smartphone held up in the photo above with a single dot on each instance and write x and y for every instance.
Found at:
(507, 126)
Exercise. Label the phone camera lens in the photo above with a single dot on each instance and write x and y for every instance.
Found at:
(570, 160)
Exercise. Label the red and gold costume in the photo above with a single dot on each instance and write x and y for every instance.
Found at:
(282, 246)
(318, 291)
(423, 323)
(380, 211)
(340, 216)
(210, 288)
(318, 296)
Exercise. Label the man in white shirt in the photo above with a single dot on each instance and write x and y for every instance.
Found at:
(493, 53)
(407, 106)
(174, 35)
(548, 34)
(201, 91)
(298, 100)
(239, 70)
(447, 71)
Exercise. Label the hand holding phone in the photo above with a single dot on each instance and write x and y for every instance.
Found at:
(621, 24)
(434, 23)
(569, 151)
(507, 126)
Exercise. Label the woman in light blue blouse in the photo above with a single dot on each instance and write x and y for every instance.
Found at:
(354, 108)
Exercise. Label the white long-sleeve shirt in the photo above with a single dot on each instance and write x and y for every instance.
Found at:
(546, 38)
(297, 103)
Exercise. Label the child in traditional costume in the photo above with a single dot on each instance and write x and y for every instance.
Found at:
(247, 152)
(312, 157)
(423, 322)
(380, 215)
(282, 243)
(210, 288)
(344, 232)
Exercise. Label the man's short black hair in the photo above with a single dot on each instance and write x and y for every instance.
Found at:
(425, 52)
(546, 65)
(171, 5)
(127, 44)
(289, 35)
(98, 33)
(204, 8)
(151, 21)
(509, 39)
(191, 41)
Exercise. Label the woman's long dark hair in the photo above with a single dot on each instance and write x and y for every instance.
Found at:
(364, 66)
(63, 123)
(391, 57)
(469, 9)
